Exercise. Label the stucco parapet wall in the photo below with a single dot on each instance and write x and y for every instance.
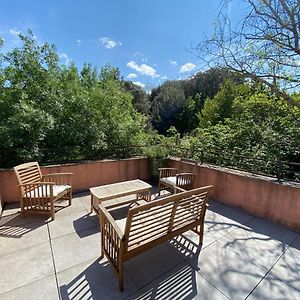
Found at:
(245, 174)
(252, 175)
(81, 162)
(263, 196)
(86, 174)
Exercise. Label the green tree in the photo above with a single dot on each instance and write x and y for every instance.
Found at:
(167, 103)
(219, 108)
(263, 46)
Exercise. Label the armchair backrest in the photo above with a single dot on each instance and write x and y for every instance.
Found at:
(28, 173)
(154, 220)
(187, 166)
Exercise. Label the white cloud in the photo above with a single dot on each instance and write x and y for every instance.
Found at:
(65, 58)
(173, 62)
(143, 69)
(109, 43)
(79, 43)
(187, 68)
(142, 85)
(164, 77)
(131, 75)
(141, 56)
(13, 31)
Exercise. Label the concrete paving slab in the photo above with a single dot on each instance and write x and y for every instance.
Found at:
(287, 269)
(24, 267)
(272, 289)
(18, 237)
(45, 289)
(227, 271)
(15, 219)
(283, 281)
(72, 222)
(181, 282)
(272, 230)
(75, 248)
(93, 279)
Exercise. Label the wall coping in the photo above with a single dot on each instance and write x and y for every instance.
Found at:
(247, 174)
(80, 162)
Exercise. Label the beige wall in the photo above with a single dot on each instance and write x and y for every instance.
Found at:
(260, 195)
(85, 175)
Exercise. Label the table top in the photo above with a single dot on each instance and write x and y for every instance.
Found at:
(119, 189)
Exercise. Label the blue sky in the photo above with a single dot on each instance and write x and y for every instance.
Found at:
(148, 40)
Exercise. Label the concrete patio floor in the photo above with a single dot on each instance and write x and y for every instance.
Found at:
(243, 257)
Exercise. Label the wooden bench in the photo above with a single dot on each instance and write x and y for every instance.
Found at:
(149, 224)
(38, 192)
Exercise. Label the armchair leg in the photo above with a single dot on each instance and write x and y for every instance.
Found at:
(22, 209)
(159, 189)
(52, 210)
(70, 197)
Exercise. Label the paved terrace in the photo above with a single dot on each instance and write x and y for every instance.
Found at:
(242, 257)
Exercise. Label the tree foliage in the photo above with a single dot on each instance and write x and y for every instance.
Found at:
(179, 103)
(264, 46)
(44, 105)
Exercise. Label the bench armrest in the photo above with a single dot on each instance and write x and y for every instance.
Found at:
(107, 218)
(178, 189)
(58, 178)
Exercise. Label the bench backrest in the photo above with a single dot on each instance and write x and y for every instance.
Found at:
(152, 221)
(28, 173)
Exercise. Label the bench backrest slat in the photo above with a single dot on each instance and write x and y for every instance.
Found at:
(151, 221)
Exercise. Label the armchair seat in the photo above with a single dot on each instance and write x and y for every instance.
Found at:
(171, 180)
(45, 191)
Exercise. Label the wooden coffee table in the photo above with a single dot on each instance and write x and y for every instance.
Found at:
(141, 189)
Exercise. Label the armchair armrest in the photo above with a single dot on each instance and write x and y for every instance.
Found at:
(185, 174)
(37, 190)
(36, 184)
(58, 178)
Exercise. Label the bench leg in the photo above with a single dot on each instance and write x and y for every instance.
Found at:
(120, 277)
(201, 234)
(158, 188)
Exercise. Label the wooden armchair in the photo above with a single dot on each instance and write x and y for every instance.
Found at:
(39, 192)
(183, 177)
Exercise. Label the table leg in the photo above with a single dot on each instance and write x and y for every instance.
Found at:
(92, 202)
